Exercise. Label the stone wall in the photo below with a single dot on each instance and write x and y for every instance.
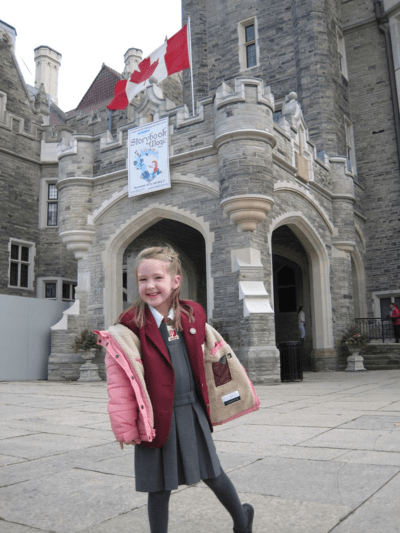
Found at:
(375, 140)
(20, 168)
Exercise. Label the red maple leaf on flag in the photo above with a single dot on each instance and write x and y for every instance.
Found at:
(145, 71)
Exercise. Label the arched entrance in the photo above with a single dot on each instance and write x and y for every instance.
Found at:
(291, 290)
(190, 245)
(186, 236)
(297, 246)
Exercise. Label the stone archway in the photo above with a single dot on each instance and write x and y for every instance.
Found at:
(126, 233)
(320, 297)
(185, 240)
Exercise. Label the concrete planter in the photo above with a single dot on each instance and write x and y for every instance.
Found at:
(89, 371)
(355, 361)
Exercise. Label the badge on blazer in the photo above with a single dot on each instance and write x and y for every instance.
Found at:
(172, 333)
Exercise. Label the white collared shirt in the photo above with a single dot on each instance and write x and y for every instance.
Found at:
(158, 317)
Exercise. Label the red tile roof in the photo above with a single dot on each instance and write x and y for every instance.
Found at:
(101, 91)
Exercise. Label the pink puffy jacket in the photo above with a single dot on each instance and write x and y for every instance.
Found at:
(231, 393)
(129, 406)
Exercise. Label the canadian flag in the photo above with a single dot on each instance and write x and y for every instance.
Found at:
(170, 57)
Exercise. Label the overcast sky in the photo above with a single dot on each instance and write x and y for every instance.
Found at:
(87, 33)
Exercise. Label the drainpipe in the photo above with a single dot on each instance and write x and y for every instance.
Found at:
(383, 25)
(110, 119)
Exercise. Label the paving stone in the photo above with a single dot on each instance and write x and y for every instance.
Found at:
(354, 439)
(42, 426)
(197, 510)
(68, 417)
(298, 419)
(10, 527)
(266, 450)
(269, 434)
(393, 407)
(7, 432)
(35, 446)
(371, 458)
(380, 513)
(9, 460)
(318, 481)
(389, 423)
(69, 501)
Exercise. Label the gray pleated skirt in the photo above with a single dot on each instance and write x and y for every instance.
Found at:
(189, 454)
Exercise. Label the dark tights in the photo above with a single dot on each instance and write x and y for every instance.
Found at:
(222, 486)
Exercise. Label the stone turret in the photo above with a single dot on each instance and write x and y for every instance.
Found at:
(244, 140)
(48, 61)
(132, 58)
(75, 185)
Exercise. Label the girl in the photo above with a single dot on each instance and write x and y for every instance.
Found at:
(179, 450)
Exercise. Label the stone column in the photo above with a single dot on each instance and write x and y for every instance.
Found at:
(343, 244)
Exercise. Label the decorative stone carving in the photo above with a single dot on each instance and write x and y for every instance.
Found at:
(247, 210)
(77, 241)
(255, 298)
(291, 109)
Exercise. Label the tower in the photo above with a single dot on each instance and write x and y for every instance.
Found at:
(48, 61)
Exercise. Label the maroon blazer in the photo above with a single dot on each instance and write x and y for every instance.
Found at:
(158, 370)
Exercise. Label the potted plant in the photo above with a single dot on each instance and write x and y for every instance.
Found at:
(354, 340)
(86, 344)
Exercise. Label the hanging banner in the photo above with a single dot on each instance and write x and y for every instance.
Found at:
(148, 158)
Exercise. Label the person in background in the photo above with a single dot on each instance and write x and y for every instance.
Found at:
(301, 317)
(395, 316)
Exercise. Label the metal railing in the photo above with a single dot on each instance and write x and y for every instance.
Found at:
(376, 328)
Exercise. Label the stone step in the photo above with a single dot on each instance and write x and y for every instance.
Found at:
(381, 367)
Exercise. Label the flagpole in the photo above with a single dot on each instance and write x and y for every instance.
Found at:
(190, 58)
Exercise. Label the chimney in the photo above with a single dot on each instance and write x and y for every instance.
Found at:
(48, 61)
(132, 59)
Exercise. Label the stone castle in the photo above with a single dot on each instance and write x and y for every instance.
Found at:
(285, 185)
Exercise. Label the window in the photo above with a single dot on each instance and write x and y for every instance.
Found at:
(350, 150)
(248, 49)
(48, 203)
(342, 53)
(277, 115)
(21, 264)
(250, 37)
(68, 291)
(51, 290)
(56, 288)
(385, 305)
(52, 204)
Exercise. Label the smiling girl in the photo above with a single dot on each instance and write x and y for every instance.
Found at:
(179, 449)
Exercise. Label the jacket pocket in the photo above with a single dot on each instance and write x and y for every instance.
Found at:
(221, 371)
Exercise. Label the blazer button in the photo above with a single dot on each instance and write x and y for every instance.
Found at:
(116, 355)
(142, 407)
(107, 343)
(192, 331)
(132, 377)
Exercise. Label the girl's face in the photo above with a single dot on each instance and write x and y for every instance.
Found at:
(156, 284)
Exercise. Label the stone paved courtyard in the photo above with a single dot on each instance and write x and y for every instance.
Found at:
(319, 456)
